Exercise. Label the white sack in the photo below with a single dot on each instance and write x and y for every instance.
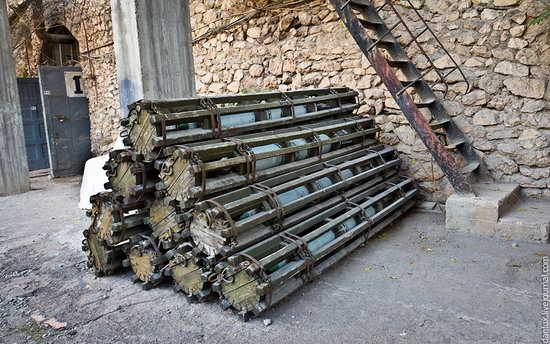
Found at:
(94, 177)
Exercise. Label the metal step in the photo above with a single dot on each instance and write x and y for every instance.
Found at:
(424, 103)
(385, 38)
(439, 124)
(370, 23)
(454, 145)
(471, 167)
(410, 83)
(380, 35)
(398, 63)
(360, 3)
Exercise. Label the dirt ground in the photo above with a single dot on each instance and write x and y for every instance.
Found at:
(416, 283)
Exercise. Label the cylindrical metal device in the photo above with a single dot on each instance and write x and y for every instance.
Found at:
(264, 274)
(250, 214)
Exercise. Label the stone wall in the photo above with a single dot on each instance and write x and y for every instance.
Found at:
(507, 61)
(89, 21)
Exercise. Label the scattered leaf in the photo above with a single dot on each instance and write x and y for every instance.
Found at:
(542, 254)
(382, 236)
(393, 277)
(367, 269)
(55, 324)
(453, 260)
(522, 209)
(411, 261)
(427, 249)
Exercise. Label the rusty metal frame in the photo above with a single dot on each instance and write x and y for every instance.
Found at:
(413, 114)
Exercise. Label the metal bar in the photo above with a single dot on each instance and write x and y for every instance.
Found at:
(335, 158)
(194, 102)
(243, 204)
(416, 36)
(174, 137)
(379, 39)
(197, 115)
(430, 60)
(441, 45)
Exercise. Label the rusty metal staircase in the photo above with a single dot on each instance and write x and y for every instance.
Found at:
(409, 86)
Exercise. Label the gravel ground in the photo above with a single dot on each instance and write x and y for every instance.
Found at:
(416, 283)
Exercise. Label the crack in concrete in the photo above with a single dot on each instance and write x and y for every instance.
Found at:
(117, 309)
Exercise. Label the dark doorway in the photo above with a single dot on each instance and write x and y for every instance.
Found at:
(33, 123)
(62, 53)
(67, 119)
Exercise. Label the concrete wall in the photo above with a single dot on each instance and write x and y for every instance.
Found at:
(125, 35)
(153, 39)
(14, 171)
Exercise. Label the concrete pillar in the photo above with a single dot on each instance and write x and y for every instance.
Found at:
(153, 49)
(14, 170)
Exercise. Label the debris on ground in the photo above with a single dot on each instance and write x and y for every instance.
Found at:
(55, 324)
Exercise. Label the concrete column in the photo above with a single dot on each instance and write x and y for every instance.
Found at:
(14, 169)
(153, 49)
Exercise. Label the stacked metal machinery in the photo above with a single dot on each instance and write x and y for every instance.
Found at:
(244, 198)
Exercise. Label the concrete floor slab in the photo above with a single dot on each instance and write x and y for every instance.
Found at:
(416, 283)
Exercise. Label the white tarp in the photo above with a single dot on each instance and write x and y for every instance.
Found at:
(94, 177)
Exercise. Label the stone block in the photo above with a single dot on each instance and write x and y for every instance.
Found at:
(479, 214)
(527, 221)
(498, 211)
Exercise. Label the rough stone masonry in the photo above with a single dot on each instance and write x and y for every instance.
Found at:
(505, 57)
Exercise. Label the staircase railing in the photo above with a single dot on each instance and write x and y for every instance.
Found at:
(389, 58)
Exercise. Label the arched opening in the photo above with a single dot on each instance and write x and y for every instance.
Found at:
(60, 48)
